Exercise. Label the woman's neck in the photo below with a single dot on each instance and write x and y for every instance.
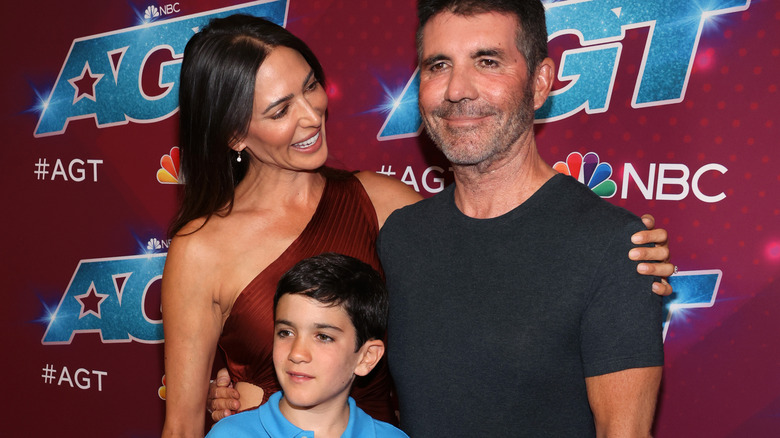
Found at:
(263, 188)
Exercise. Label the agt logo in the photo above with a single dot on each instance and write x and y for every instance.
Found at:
(131, 74)
(109, 296)
(691, 290)
(589, 71)
(664, 182)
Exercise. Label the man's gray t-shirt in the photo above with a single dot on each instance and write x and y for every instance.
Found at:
(496, 323)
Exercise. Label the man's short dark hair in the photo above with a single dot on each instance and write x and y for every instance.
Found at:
(531, 38)
(339, 280)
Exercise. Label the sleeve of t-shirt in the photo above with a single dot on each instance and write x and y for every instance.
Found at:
(621, 325)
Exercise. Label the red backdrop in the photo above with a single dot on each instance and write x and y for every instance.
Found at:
(680, 101)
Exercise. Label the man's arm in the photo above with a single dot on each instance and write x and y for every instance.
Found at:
(623, 402)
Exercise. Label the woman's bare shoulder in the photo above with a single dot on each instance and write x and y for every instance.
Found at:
(196, 246)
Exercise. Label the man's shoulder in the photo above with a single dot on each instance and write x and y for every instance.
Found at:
(579, 201)
(419, 211)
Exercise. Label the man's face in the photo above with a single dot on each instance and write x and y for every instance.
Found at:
(475, 95)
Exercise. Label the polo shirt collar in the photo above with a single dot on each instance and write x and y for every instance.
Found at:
(360, 425)
(276, 425)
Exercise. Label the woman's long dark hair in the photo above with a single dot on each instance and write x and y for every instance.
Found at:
(216, 96)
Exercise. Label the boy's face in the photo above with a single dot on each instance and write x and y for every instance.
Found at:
(314, 352)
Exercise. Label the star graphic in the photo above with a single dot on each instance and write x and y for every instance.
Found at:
(90, 302)
(85, 84)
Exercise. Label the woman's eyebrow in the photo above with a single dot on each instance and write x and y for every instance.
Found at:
(289, 96)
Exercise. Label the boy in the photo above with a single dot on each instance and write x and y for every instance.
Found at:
(330, 315)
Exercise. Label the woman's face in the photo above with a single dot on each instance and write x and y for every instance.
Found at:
(287, 129)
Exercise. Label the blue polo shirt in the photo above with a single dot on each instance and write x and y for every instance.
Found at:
(268, 421)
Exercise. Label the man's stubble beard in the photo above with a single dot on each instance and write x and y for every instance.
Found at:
(484, 144)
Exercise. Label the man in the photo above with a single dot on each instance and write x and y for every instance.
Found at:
(514, 310)
(488, 286)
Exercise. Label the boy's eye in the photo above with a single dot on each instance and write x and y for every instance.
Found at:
(324, 338)
(312, 85)
(284, 333)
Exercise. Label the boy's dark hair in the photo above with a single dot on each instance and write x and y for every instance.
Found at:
(531, 38)
(339, 280)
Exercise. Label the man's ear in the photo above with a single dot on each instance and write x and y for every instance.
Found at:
(543, 81)
(370, 353)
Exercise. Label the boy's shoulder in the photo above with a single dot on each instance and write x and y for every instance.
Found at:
(387, 430)
(364, 425)
(250, 424)
(245, 424)
(265, 421)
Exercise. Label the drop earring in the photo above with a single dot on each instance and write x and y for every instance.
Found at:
(238, 158)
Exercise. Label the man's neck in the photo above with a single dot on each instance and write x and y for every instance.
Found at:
(485, 192)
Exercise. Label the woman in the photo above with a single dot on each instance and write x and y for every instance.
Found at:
(257, 199)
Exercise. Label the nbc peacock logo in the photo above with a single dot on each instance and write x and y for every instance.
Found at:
(589, 171)
(151, 13)
(168, 173)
